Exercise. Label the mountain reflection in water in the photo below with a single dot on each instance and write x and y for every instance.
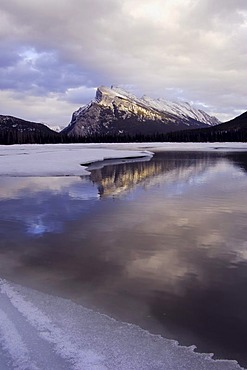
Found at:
(164, 246)
(115, 180)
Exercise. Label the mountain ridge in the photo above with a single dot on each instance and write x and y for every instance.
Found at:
(116, 111)
(118, 116)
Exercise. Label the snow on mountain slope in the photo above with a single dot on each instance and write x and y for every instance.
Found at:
(180, 109)
(115, 111)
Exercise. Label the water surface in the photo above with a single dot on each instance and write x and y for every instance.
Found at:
(160, 243)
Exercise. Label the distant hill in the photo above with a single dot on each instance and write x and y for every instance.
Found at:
(14, 130)
(114, 111)
(233, 130)
(237, 123)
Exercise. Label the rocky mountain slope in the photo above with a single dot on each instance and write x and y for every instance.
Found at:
(115, 111)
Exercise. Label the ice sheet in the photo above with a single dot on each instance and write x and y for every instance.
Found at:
(176, 146)
(55, 333)
(56, 159)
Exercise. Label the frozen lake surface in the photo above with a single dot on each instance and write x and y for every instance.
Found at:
(68, 159)
(38, 331)
(159, 244)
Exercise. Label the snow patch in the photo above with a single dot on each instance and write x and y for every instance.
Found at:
(12, 343)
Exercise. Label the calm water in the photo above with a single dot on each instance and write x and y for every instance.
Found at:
(161, 243)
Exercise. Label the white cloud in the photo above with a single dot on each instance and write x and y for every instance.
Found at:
(46, 109)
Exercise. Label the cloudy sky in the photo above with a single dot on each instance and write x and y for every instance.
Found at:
(54, 53)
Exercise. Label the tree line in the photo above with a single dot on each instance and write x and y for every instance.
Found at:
(11, 136)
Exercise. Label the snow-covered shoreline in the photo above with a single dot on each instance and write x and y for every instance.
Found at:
(57, 159)
(68, 159)
(40, 331)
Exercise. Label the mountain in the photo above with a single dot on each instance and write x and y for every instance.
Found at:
(233, 130)
(236, 124)
(18, 131)
(55, 128)
(117, 112)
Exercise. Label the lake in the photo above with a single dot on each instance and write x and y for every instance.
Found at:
(160, 243)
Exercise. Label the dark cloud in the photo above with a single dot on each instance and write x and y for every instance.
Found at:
(38, 72)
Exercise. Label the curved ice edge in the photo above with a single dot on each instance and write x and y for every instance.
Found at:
(23, 299)
(191, 348)
(144, 155)
(97, 164)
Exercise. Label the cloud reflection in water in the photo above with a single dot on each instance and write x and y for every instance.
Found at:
(166, 238)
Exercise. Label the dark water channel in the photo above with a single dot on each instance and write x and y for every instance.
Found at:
(161, 243)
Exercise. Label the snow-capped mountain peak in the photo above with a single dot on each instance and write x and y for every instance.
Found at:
(106, 95)
(115, 111)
